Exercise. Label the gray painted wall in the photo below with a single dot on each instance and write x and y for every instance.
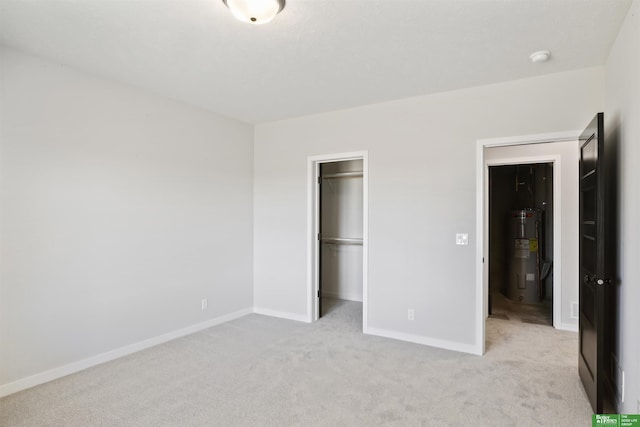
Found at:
(120, 211)
(422, 191)
(622, 142)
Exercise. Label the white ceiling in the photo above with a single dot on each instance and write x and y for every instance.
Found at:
(316, 55)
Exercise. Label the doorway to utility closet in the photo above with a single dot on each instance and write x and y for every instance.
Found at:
(340, 237)
(521, 243)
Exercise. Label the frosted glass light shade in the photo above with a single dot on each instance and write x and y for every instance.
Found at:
(254, 11)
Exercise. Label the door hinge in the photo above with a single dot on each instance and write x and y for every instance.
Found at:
(319, 180)
(318, 293)
(319, 236)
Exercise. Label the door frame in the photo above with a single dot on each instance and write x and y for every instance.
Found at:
(313, 227)
(482, 219)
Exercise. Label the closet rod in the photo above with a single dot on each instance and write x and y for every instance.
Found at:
(342, 175)
(341, 241)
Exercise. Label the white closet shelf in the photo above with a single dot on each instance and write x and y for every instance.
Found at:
(341, 241)
(342, 175)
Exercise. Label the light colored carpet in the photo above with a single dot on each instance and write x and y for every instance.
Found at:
(261, 371)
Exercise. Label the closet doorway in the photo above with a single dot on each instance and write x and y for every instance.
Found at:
(339, 251)
(340, 270)
(521, 242)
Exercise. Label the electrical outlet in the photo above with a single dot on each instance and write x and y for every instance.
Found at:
(205, 304)
(411, 314)
(462, 239)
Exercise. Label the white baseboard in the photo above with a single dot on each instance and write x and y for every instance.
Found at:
(572, 327)
(419, 339)
(282, 314)
(53, 374)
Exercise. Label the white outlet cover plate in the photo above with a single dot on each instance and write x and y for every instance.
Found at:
(462, 239)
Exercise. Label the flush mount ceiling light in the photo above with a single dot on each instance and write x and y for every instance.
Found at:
(540, 56)
(254, 11)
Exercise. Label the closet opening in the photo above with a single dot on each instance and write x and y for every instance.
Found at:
(521, 243)
(340, 236)
(338, 239)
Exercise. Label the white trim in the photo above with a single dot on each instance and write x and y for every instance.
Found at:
(482, 279)
(432, 342)
(282, 314)
(539, 138)
(481, 301)
(71, 368)
(312, 230)
(572, 327)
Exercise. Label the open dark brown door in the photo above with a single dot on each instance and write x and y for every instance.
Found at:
(594, 283)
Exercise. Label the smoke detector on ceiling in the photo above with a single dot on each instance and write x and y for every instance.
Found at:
(540, 56)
